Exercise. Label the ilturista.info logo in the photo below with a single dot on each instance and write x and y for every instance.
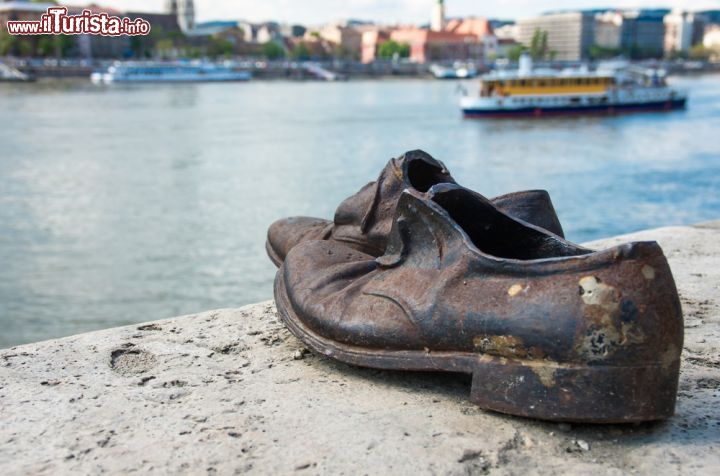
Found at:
(57, 22)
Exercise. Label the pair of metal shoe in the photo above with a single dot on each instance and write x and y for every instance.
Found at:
(419, 273)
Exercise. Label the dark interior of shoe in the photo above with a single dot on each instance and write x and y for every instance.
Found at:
(496, 234)
(423, 175)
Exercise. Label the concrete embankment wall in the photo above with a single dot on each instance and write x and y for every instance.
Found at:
(232, 391)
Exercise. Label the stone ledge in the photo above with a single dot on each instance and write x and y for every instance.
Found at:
(232, 391)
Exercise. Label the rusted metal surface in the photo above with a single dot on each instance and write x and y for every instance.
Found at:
(363, 221)
(548, 329)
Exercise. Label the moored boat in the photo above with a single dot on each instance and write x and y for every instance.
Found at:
(456, 71)
(612, 88)
(154, 72)
(13, 75)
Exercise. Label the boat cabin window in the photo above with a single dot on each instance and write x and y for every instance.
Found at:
(504, 87)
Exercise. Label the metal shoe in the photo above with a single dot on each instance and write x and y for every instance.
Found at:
(548, 329)
(363, 221)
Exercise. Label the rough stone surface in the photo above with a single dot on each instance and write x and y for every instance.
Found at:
(231, 391)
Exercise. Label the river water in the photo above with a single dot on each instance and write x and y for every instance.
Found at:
(125, 204)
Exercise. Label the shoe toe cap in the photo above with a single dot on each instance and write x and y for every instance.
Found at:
(319, 266)
(286, 233)
(326, 285)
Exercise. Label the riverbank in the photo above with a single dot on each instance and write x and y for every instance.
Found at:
(232, 390)
(317, 70)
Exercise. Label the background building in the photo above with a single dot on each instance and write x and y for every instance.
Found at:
(711, 39)
(509, 31)
(21, 11)
(457, 39)
(75, 46)
(371, 41)
(679, 32)
(427, 45)
(347, 39)
(98, 46)
(481, 28)
(635, 34)
(608, 29)
(643, 33)
(437, 22)
(570, 35)
(268, 31)
(184, 11)
(292, 31)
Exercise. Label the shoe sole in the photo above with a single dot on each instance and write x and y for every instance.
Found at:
(272, 254)
(528, 388)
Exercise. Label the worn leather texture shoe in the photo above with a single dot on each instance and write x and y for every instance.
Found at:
(363, 221)
(548, 329)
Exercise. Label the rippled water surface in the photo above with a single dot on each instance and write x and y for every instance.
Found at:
(128, 204)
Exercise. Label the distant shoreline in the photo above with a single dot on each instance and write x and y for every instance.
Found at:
(295, 71)
(363, 78)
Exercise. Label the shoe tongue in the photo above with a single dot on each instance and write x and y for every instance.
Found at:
(444, 193)
(415, 170)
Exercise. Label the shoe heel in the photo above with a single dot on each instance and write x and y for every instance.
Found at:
(593, 394)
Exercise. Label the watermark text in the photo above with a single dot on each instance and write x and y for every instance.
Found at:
(57, 22)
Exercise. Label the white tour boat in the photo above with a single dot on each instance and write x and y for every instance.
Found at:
(612, 88)
(156, 72)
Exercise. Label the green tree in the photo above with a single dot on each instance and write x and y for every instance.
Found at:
(699, 52)
(603, 52)
(271, 50)
(161, 41)
(391, 48)
(539, 45)
(25, 47)
(404, 50)
(635, 52)
(675, 54)
(164, 47)
(45, 45)
(515, 51)
(137, 46)
(64, 44)
(300, 52)
(221, 47)
(143, 46)
(343, 52)
(8, 43)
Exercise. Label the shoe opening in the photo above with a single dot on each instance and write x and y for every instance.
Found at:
(497, 234)
(423, 175)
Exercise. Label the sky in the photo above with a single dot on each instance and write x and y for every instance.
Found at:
(314, 12)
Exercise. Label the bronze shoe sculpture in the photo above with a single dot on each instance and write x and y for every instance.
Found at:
(548, 329)
(363, 221)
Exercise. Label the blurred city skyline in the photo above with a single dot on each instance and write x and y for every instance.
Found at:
(386, 11)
